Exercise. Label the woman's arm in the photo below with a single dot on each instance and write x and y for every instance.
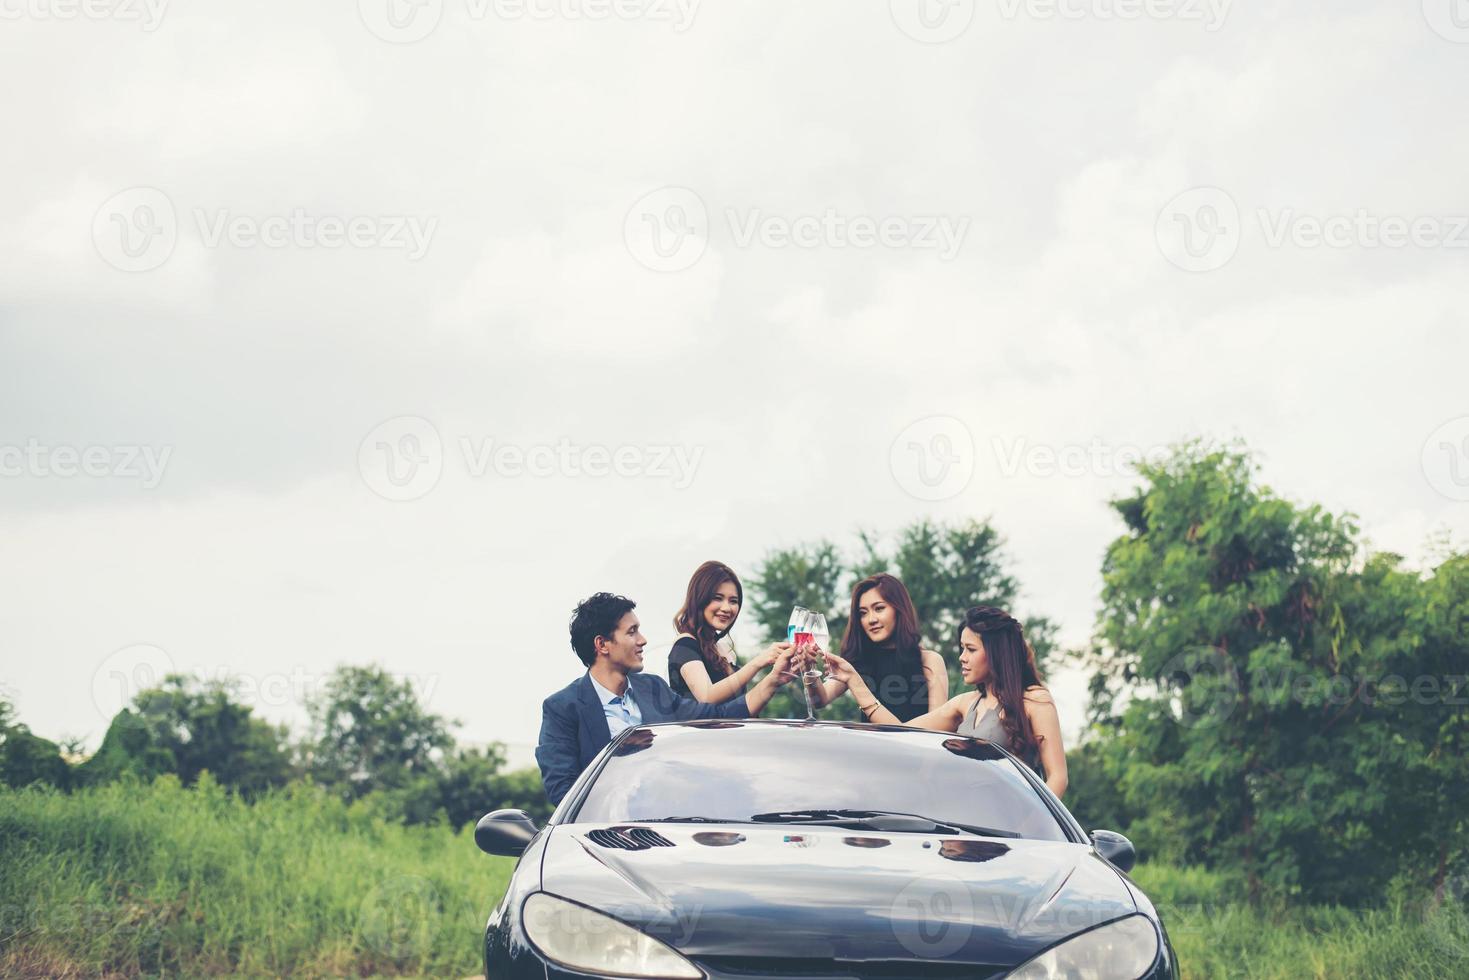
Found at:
(936, 673)
(701, 688)
(946, 718)
(1040, 708)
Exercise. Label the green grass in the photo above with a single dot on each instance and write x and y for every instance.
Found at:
(135, 880)
(132, 880)
(1217, 934)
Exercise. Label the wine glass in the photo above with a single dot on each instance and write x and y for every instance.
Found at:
(797, 623)
(813, 676)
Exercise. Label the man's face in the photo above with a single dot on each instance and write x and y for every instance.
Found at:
(624, 648)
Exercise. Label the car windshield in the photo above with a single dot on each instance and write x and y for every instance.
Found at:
(733, 771)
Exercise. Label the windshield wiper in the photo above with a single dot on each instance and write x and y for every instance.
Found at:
(881, 820)
(688, 820)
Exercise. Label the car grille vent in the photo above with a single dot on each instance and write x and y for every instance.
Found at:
(629, 838)
(756, 967)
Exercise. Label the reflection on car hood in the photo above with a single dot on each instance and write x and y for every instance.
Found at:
(782, 891)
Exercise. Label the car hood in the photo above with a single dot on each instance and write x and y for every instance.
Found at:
(792, 892)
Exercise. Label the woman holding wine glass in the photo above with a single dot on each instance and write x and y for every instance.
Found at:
(882, 644)
(697, 666)
(1008, 706)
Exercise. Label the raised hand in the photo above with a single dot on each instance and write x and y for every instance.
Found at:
(768, 656)
(840, 670)
(784, 668)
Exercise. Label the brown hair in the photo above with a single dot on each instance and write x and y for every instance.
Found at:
(905, 627)
(706, 580)
(1012, 671)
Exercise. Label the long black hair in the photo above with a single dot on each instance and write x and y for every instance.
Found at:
(1012, 671)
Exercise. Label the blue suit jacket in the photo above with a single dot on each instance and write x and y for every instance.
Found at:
(574, 726)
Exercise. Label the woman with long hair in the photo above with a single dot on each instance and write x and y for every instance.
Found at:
(882, 644)
(697, 667)
(1009, 705)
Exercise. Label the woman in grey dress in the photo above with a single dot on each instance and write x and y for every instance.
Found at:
(1008, 706)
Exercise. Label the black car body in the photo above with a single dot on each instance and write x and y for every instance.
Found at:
(776, 849)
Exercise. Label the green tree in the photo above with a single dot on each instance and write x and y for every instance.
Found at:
(185, 726)
(368, 731)
(1245, 652)
(202, 726)
(27, 758)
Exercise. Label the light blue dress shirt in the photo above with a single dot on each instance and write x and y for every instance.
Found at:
(622, 711)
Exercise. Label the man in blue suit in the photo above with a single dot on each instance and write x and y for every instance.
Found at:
(579, 720)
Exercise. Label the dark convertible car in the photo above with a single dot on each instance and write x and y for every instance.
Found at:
(733, 850)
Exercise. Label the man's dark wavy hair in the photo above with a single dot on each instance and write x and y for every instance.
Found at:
(594, 617)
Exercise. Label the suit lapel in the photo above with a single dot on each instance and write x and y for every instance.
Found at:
(593, 718)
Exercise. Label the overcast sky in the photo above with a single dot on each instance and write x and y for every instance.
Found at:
(335, 334)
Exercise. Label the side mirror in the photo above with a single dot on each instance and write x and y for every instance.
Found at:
(1114, 847)
(505, 832)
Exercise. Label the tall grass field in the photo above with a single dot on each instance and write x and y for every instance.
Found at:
(128, 880)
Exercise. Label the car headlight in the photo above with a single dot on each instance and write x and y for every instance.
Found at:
(580, 939)
(1122, 950)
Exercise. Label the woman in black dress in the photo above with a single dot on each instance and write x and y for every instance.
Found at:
(882, 644)
(697, 667)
